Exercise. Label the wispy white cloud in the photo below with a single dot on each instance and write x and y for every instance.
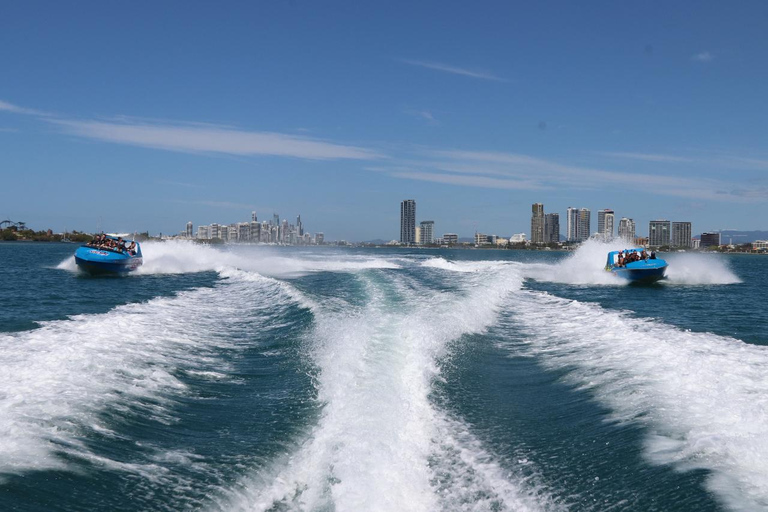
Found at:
(468, 180)
(199, 137)
(424, 115)
(9, 107)
(703, 57)
(229, 205)
(485, 75)
(211, 139)
(499, 170)
(648, 157)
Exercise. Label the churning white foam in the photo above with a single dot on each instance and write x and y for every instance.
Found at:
(56, 382)
(380, 442)
(181, 257)
(586, 266)
(699, 269)
(702, 397)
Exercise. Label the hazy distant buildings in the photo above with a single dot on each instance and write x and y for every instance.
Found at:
(537, 223)
(189, 232)
(710, 240)
(681, 234)
(605, 220)
(450, 239)
(659, 233)
(427, 235)
(203, 232)
(408, 222)
(627, 229)
(552, 228)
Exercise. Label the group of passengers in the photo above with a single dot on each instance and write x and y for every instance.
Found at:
(105, 242)
(627, 256)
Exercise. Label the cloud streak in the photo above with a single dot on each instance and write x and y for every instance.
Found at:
(703, 57)
(199, 137)
(647, 157)
(446, 68)
(212, 139)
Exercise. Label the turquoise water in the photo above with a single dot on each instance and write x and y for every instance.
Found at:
(252, 378)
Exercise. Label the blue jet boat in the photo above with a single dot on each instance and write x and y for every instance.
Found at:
(100, 259)
(648, 270)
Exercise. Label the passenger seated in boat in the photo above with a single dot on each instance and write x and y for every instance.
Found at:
(643, 255)
(120, 244)
(653, 255)
(132, 249)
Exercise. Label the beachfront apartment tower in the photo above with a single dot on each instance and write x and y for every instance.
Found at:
(681, 234)
(427, 234)
(189, 232)
(537, 223)
(605, 220)
(572, 224)
(627, 229)
(408, 222)
(584, 224)
(551, 228)
(658, 233)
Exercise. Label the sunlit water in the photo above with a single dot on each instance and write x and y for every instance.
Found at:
(250, 378)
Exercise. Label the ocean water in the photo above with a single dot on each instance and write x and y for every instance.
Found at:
(280, 379)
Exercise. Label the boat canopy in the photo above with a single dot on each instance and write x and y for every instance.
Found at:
(613, 255)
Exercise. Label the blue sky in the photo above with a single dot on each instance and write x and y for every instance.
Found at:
(146, 115)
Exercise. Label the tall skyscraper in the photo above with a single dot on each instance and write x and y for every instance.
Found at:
(605, 220)
(299, 226)
(427, 232)
(537, 223)
(189, 230)
(551, 228)
(253, 217)
(572, 224)
(408, 222)
(584, 225)
(658, 233)
(681, 234)
(627, 229)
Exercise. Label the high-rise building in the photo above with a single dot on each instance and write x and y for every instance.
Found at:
(537, 223)
(572, 224)
(583, 228)
(605, 220)
(299, 226)
(427, 232)
(203, 232)
(417, 234)
(450, 239)
(244, 232)
(408, 222)
(189, 232)
(658, 233)
(319, 238)
(253, 217)
(255, 231)
(710, 240)
(627, 229)
(681, 234)
(214, 231)
(551, 228)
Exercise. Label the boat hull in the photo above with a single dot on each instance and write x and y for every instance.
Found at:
(99, 261)
(641, 275)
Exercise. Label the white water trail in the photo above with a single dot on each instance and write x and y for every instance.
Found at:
(703, 398)
(586, 266)
(380, 443)
(56, 382)
(182, 257)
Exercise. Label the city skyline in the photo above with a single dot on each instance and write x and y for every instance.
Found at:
(643, 117)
